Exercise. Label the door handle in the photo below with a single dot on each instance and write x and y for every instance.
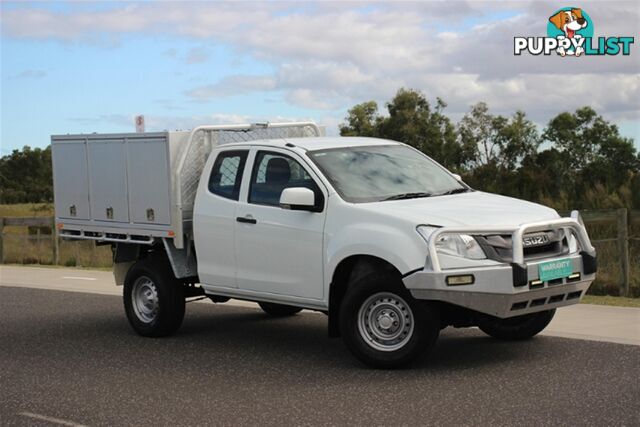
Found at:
(246, 220)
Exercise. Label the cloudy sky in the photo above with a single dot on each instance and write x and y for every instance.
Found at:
(91, 67)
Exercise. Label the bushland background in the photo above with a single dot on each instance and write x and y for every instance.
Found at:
(578, 160)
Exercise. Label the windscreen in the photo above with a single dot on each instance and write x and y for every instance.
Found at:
(383, 172)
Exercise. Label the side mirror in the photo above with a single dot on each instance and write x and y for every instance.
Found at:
(456, 176)
(298, 199)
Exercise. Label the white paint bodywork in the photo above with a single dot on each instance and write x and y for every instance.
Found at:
(291, 256)
(279, 254)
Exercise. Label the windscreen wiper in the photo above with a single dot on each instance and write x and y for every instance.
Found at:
(408, 196)
(454, 191)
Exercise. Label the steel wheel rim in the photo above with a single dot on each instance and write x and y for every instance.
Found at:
(144, 298)
(385, 321)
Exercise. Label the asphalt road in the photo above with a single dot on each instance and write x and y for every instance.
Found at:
(72, 358)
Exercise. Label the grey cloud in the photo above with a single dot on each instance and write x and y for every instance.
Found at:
(125, 122)
(30, 74)
(330, 55)
(203, 19)
(168, 104)
(487, 51)
(197, 56)
(120, 120)
(171, 53)
(233, 85)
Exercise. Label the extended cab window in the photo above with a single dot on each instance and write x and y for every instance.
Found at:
(226, 174)
(272, 173)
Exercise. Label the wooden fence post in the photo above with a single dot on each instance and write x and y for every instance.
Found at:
(76, 252)
(38, 245)
(1, 241)
(623, 248)
(54, 237)
(25, 242)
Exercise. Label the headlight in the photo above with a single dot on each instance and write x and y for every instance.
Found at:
(460, 245)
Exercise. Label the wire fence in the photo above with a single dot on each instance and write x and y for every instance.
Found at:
(614, 233)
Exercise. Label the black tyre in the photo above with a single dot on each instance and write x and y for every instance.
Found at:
(279, 310)
(517, 328)
(153, 299)
(383, 325)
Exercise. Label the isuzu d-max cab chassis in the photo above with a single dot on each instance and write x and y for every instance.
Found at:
(385, 241)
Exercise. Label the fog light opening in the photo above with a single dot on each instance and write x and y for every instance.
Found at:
(536, 283)
(574, 277)
(461, 279)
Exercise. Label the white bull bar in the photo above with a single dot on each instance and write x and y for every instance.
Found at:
(516, 236)
(508, 289)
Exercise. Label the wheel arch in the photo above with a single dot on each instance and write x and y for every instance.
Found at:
(347, 270)
(182, 261)
(125, 255)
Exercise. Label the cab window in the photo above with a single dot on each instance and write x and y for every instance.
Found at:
(226, 174)
(272, 173)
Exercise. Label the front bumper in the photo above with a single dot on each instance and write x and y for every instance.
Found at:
(508, 290)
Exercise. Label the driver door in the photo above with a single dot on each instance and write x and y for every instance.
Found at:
(279, 251)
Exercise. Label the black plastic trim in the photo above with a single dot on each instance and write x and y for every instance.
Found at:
(412, 271)
(589, 262)
(247, 220)
(520, 276)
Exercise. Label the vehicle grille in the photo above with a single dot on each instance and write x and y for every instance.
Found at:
(498, 247)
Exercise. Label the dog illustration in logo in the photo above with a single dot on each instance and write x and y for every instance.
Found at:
(569, 21)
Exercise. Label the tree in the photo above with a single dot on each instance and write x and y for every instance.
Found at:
(587, 138)
(362, 120)
(517, 138)
(593, 149)
(497, 140)
(25, 176)
(411, 120)
(542, 177)
(635, 189)
(477, 131)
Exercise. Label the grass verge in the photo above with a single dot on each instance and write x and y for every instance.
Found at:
(26, 210)
(612, 301)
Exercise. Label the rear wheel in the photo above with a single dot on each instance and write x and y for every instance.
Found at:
(517, 328)
(153, 299)
(279, 310)
(383, 325)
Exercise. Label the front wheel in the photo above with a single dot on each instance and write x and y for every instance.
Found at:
(517, 328)
(153, 300)
(383, 325)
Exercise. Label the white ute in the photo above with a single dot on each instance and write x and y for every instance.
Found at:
(385, 241)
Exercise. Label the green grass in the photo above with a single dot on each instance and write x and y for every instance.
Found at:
(609, 300)
(26, 209)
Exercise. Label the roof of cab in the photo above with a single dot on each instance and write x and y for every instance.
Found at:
(320, 143)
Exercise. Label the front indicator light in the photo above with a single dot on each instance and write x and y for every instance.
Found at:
(463, 279)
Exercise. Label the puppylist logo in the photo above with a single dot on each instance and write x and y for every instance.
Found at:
(570, 33)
